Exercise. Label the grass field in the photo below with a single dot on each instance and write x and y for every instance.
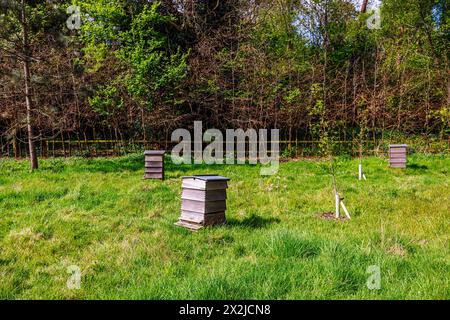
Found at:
(119, 230)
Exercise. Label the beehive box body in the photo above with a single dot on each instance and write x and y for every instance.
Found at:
(398, 156)
(154, 165)
(203, 201)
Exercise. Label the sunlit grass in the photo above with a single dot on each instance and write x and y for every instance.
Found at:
(119, 229)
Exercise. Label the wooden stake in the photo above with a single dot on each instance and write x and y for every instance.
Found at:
(361, 173)
(339, 203)
(345, 210)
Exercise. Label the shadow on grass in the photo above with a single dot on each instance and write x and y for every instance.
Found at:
(204, 168)
(137, 163)
(252, 222)
(133, 163)
(128, 163)
(414, 166)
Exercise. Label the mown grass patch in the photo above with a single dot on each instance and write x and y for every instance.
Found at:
(99, 215)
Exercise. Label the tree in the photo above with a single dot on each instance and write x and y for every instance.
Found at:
(15, 40)
(31, 38)
(364, 5)
(135, 36)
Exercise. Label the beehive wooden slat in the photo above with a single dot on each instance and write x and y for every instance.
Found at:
(153, 158)
(204, 207)
(154, 176)
(202, 219)
(188, 225)
(398, 166)
(398, 161)
(203, 195)
(153, 170)
(215, 219)
(154, 164)
(193, 217)
(398, 150)
(396, 157)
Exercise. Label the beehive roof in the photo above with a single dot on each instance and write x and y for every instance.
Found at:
(154, 152)
(208, 177)
(398, 145)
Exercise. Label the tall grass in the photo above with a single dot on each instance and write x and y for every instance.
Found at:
(99, 215)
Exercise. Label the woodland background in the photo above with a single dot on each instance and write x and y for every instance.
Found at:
(136, 70)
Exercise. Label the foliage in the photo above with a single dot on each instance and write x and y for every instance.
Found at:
(144, 68)
(134, 34)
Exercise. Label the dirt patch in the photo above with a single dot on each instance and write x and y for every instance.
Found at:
(397, 249)
(423, 243)
(330, 216)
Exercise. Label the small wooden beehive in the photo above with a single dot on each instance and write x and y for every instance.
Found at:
(154, 165)
(398, 155)
(203, 201)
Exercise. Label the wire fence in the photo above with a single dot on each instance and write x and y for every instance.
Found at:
(294, 148)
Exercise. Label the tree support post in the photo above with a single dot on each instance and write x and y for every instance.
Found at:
(339, 204)
(361, 173)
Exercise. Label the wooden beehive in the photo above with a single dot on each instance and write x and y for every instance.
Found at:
(398, 155)
(203, 201)
(154, 165)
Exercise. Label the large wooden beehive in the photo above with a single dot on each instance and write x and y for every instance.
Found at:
(203, 201)
(154, 164)
(398, 155)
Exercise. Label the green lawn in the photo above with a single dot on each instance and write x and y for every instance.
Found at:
(119, 230)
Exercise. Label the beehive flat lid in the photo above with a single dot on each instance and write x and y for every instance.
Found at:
(155, 152)
(208, 177)
(398, 146)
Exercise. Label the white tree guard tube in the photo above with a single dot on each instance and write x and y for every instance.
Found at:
(338, 208)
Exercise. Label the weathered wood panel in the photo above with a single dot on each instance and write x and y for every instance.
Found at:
(203, 207)
(398, 151)
(193, 217)
(189, 225)
(398, 157)
(154, 164)
(398, 166)
(398, 161)
(154, 159)
(203, 219)
(215, 219)
(154, 170)
(204, 195)
(159, 176)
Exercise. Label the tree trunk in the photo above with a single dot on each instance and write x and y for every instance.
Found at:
(26, 70)
(448, 88)
(364, 6)
(16, 154)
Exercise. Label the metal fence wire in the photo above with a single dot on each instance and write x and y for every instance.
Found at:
(295, 148)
